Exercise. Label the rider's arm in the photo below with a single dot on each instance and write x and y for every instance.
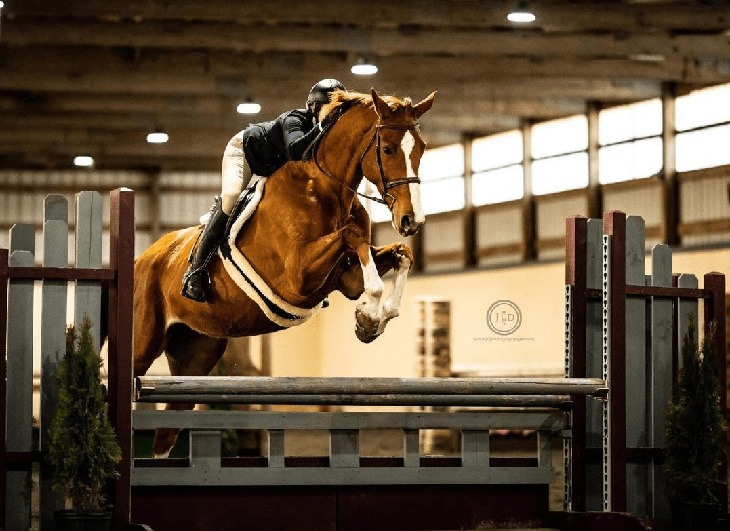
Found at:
(297, 136)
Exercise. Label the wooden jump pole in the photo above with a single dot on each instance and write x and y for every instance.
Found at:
(191, 388)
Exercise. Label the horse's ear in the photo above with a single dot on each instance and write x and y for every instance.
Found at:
(382, 108)
(422, 106)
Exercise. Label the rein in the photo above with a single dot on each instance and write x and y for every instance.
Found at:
(387, 185)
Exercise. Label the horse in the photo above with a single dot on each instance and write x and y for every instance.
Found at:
(308, 237)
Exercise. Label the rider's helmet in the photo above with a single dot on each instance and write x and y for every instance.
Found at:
(321, 91)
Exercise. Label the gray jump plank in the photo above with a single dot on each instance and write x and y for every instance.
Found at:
(22, 238)
(686, 308)
(344, 448)
(554, 421)
(205, 449)
(475, 448)
(267, 476)
(411, 448)
(276, 448)
(53, 338)
(20, 380)
(661, 372)
(88, 253)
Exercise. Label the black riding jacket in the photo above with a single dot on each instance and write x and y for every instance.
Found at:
(269, 145)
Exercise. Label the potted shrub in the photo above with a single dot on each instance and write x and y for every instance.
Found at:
(694, 436)
(83, 449)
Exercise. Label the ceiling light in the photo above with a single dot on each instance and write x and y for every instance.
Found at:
(648, 57)
(364, 67)
(522, 14)
(248, 107)
(2, 4)
(82, 161)
(157, 137)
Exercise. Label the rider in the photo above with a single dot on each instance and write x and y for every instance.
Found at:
(259, 149)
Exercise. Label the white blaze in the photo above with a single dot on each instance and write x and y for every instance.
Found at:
(407, 145)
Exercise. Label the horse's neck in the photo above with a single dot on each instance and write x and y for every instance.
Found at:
(342, 149)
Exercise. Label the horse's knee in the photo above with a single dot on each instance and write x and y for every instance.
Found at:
(404, 255)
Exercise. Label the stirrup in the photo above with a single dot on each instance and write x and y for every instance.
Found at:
(196, 285)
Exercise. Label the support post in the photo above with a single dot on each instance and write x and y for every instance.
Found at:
(575, 357)
(715, 311)
(615, 270)
(121, 260)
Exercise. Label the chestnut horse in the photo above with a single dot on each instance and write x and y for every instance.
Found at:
(308, 237)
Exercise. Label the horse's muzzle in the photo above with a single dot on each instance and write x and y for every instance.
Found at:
(409, 226)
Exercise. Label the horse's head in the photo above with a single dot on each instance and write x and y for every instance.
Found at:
(391, 163)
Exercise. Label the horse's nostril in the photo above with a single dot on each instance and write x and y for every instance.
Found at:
(405, 221)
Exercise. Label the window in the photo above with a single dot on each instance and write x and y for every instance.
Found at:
(560, 157)
(630, 140)
(559, 136)
(497, 166)
(557, 174)
(703, 148)
(704, 107)
(442, 179)
(628, 122)
(703, 128)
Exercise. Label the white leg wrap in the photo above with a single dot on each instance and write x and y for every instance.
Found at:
(373, 290)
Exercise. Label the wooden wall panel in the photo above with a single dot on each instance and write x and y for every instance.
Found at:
(499, 230)
(705, 207)
(638, 198)
(552, 210)
(443, 242)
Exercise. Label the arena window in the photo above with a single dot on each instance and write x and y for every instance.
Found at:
(630, 141)
(442, 179)
(702, 120)
(498, 173)
(559, 153)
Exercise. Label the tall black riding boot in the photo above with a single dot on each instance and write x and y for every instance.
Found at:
(196, 282)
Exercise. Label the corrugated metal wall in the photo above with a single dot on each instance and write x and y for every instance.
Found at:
(163, 202)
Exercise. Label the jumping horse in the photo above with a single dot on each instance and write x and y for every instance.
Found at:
(309, 236)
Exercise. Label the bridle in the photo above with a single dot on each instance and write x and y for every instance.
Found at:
(375, 139)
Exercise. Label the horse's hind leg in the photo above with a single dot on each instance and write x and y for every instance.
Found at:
(188, 354)
(150, 337)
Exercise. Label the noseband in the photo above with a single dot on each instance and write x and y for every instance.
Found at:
(375, 139)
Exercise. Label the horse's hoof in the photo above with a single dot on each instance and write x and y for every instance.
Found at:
(363, 335)
(366, 328)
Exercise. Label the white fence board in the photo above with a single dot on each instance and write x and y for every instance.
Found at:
(19, 381)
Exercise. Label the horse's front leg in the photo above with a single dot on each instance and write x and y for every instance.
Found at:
(399, 258)
(375, 312)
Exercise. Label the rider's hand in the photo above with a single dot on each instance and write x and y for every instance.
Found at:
(326, 122)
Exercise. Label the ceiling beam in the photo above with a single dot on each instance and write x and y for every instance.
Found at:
(281, 65)
(559, 15)
(364, 40)
(59, 108)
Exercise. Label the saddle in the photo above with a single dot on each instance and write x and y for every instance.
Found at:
(243, 273)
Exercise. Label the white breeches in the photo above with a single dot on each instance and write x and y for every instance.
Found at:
(236, 172)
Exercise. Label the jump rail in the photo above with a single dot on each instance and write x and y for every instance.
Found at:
(533, 405)
(366, 391)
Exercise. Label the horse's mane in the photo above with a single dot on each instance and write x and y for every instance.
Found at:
(342, 100)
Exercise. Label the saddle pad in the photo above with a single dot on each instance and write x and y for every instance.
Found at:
(276, 309)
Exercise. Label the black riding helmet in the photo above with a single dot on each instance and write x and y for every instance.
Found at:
(321, 91)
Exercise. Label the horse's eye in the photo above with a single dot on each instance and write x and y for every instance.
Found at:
(388, 150)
